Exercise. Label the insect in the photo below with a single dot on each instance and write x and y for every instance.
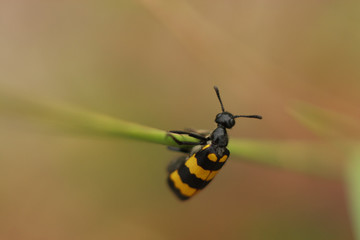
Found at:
(190, 174)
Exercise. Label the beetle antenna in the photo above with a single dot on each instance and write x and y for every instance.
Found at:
(249, 116)
(218, 95)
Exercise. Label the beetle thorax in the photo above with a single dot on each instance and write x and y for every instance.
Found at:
(219, 137)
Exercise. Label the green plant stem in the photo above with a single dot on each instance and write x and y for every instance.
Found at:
(71, 119)
(305, 157)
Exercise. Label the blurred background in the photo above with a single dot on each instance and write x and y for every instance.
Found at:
(154, 62)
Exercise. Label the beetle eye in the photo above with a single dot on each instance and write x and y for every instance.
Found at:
(230, 123)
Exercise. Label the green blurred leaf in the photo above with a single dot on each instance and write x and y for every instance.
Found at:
(353, 187)
(326, 123)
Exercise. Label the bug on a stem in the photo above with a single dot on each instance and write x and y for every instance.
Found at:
(190, 174)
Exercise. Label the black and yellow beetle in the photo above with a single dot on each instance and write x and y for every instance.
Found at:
(189, 174)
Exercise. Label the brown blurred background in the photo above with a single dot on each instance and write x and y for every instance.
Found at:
(154, 62)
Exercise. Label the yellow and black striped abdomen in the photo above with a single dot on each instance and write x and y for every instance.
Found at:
(196, 172)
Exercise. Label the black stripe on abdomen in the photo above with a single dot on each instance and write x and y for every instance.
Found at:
(175, 190)
(191, 179)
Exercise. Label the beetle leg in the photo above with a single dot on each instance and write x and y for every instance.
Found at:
(201, 132)
(192, 134)
(202, 142)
